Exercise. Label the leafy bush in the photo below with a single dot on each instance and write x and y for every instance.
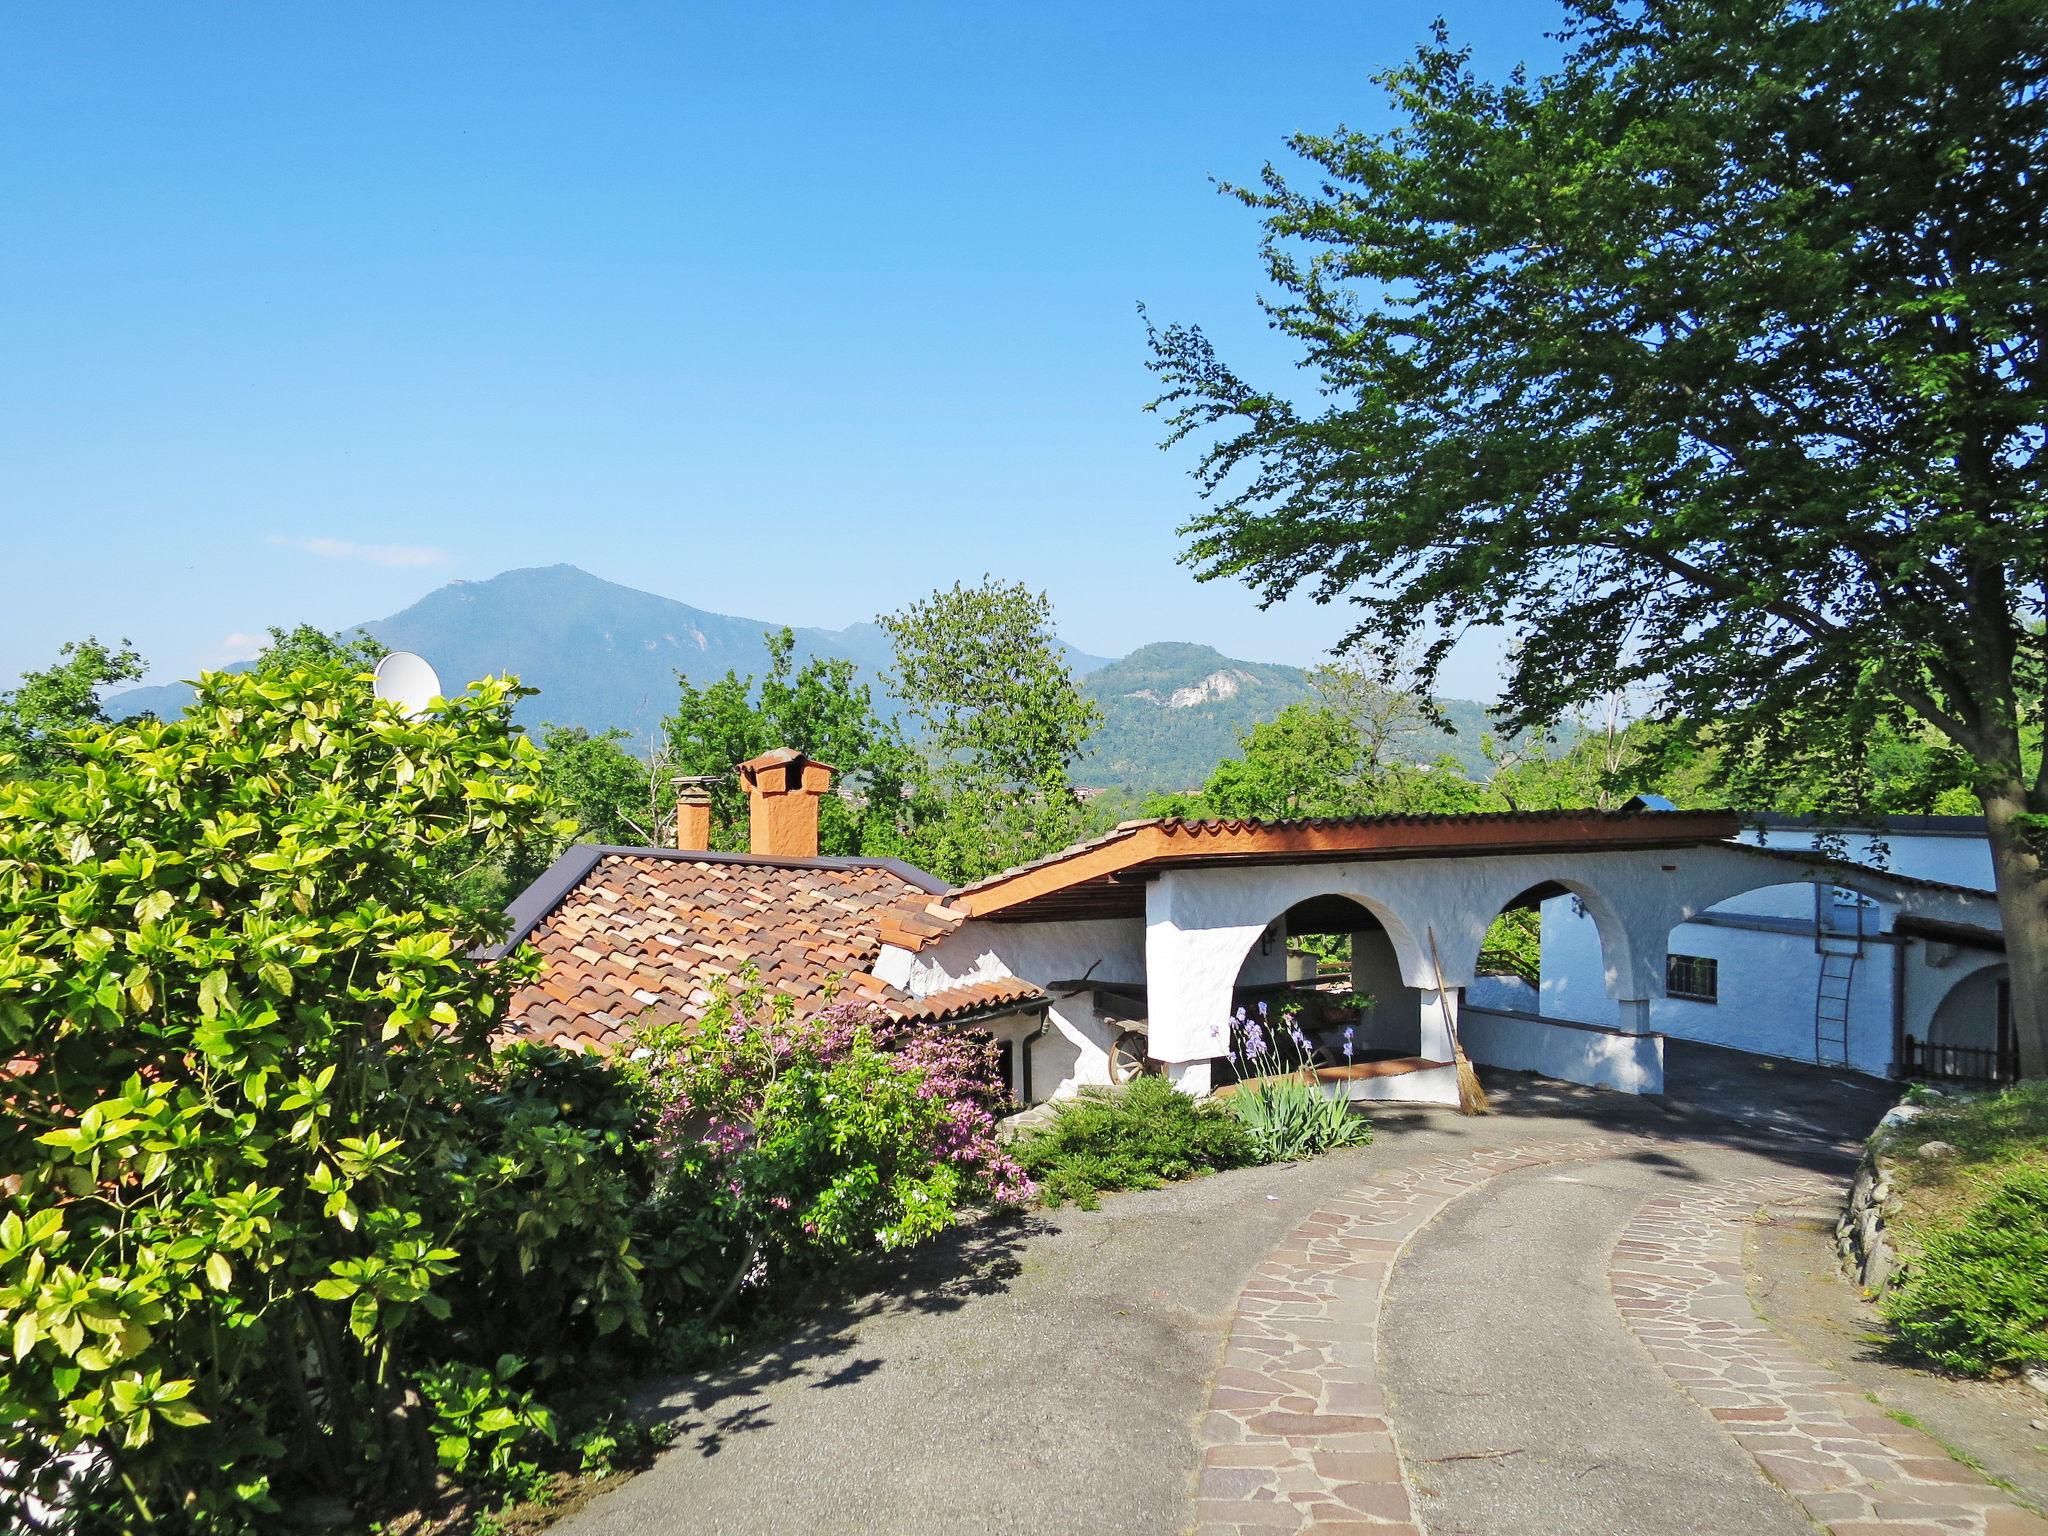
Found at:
(280, 1221)
(789, 1144)
(234, 979)
(1286, 1111)
(1140, 1136)
(485, 1430)
(546, 1187)
(1975, 1299)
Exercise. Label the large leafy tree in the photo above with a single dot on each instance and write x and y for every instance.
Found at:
(37, 716)
(1710, 363)
(1000, 723)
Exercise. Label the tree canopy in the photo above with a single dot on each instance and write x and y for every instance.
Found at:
(36, 716)
(1710, 363)
(999, 723)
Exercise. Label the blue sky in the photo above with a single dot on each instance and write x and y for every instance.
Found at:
(786, 311)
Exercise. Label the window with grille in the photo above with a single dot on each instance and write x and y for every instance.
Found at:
(1694, 977)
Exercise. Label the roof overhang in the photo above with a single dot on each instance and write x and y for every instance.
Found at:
(1106, 878)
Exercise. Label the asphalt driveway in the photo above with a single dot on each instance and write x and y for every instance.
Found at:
(1047, 1375)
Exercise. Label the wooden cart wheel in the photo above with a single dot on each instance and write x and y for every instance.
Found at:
(1127, 1056)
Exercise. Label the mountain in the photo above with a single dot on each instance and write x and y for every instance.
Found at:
(604, 655)
(1171, 711)
(601, 654)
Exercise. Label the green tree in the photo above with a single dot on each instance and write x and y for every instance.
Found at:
(1000, 722)
(1305, 761)
(1712, 363)
(303, 646)
(820, 708)
(36, 717)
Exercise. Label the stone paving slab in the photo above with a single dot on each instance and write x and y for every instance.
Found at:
(1677, 1278)
(1295, 1438)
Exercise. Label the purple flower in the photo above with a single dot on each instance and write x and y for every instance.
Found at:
(1350, 1034)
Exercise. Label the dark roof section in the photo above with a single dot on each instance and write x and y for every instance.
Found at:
(1823, 863)
(563, 876)
(1875, 826)
(1968, 935)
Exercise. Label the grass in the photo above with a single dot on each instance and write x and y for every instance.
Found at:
(1973, 1229)
(1992, 1133)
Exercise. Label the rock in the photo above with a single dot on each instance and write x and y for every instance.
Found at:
(1881, 1192)
(2036, 1376)
(1934, 1150)
(1899, 1114)
(1860, 1193)
(1877, 1266)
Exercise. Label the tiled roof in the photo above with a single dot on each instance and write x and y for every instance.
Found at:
(974, 999)
(631, 932)
(1096, 878)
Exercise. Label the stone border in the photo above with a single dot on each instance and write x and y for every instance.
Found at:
(1295, 1438)
(1677, 1277)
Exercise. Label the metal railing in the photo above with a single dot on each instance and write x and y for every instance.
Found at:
(1961, 1063)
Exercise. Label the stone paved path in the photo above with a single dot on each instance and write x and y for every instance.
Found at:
(1677, 1275)
(1296, 1437)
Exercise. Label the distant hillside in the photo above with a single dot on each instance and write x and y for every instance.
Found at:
(602, 655)
(1171, 711)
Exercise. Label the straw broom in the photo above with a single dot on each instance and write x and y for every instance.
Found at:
(1471, 1096)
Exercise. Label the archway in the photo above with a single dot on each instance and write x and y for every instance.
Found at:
(1329, 967)
(1969, 1038)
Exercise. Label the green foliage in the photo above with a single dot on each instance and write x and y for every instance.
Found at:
(1287, 1113)
(485, 1430)
(37, 717)
(1975, 1298)
(1291, 1116)
(304, 648)
(821, 709)
(238, 973)
(789, 1144)
(1709, 363)
(1140, 1136)
(1513, 946)
(1000, 724)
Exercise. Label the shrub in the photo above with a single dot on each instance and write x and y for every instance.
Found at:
(1141, 1136)
(788, 1144)
(1288, 1114)
(1975, 1299)
(234, 977)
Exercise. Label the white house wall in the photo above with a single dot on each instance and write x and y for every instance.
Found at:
(1768, 983)
(1072, 1050)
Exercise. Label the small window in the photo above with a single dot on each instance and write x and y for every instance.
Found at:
(1695, 977)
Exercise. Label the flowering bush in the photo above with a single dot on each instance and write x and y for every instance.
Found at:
(787, 1143)
(1288, 1112)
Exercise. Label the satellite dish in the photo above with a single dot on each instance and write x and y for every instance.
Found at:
(407, 681)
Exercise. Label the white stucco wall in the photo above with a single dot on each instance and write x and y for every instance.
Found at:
(1768, 983)
(1599, 1058)
(1072, 1050)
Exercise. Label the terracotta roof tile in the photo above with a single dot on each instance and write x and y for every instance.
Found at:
(975, 999)
(646, 932)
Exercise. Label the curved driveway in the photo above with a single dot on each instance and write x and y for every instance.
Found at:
(1097, 1372)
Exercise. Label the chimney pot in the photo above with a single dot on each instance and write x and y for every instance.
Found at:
(783, 789)
(693, 816)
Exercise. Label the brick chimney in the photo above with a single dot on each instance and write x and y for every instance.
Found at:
(693, 815)
(783, 788)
